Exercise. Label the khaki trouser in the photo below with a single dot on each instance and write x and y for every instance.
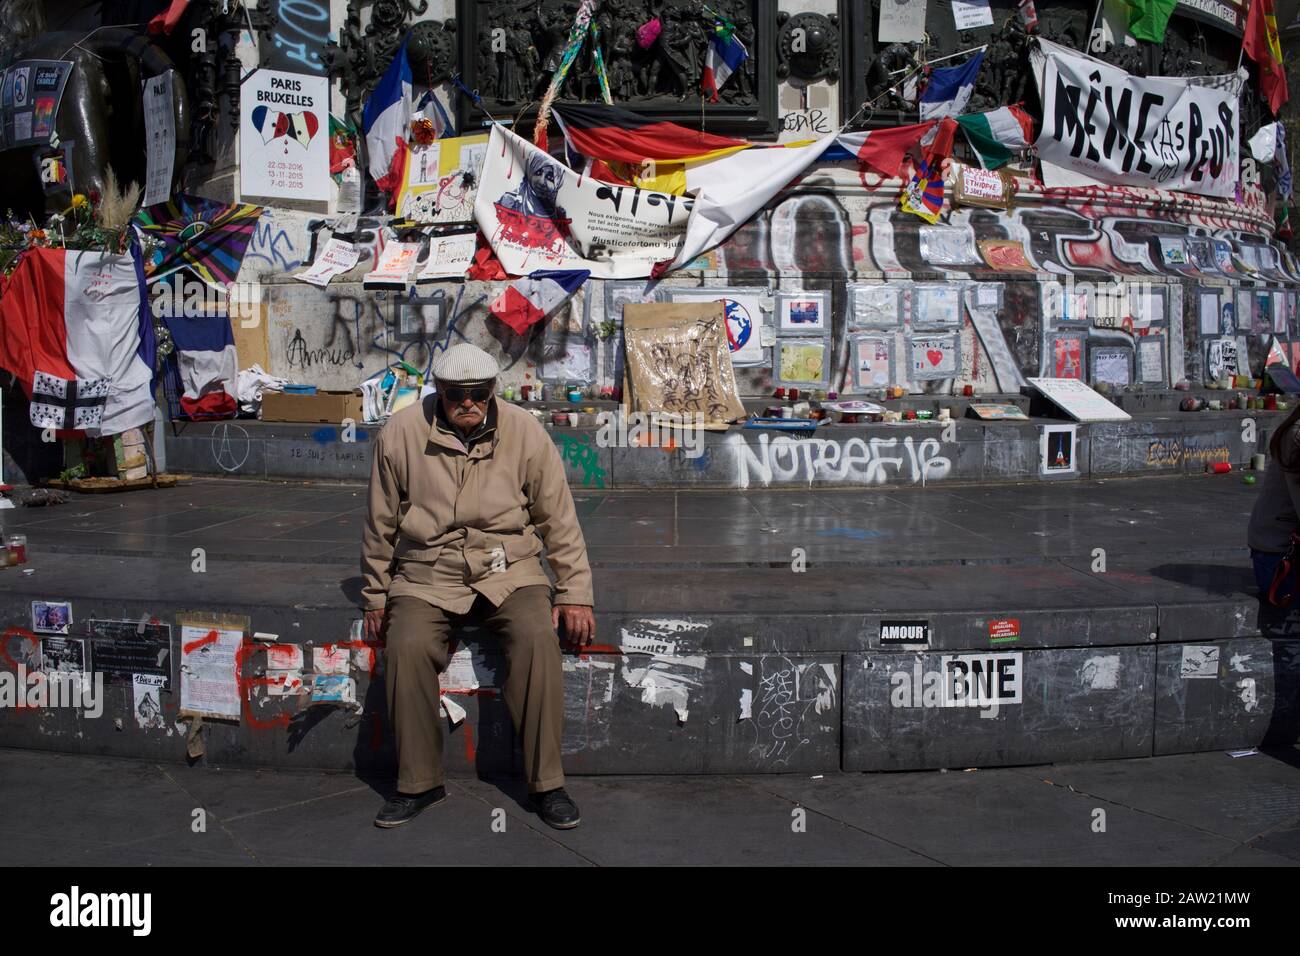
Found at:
(417, 652)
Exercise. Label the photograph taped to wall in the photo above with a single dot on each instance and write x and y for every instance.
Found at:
(1151, 360)
(619, 294)
(936, 306)
(570, 358)
(744, 308)
(872, 358)
(1293, 314)
(1279, 313)
(874, 306)
(933, 356)
(1060, 305)
(802, 361)
(1066, 353)
(1148, 305)
(949, 246)
(1210, 316)
(803, 313)
(1057, 445)
(1112, 364)
(1245, 314)
(1263, 318)
(1220, 358)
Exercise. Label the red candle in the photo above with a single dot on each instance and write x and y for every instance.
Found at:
(1222, 467)
(779, 393)
(1270, 403)
(968, 390)
(794, 394)
(910, 415)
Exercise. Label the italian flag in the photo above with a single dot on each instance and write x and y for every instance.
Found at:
(998, 135)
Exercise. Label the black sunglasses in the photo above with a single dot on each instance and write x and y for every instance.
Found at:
(456, 395)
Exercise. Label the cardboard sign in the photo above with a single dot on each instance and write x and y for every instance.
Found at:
(1079, 401)
(987, 188)
(662, 338)
(284, 128)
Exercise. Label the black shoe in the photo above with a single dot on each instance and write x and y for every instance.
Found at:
(405, 807)
(558, 809)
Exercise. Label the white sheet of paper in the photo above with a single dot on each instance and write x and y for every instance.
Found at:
(159, 138)
(969, 14)
(338, 258)
(449, 257)
(394, 265)
(209, 675)
(901, 21)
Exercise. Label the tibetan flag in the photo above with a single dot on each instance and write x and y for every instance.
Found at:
(527, 301)
(610, 134)
(80, 317)
(884, 150)
(205, 236)
(1148, 19)
(998, 135)
(950, 89)
(725, 56)
(924, 194)
(385, 119)
(204, 371)
(68, 404)
(1261, 45)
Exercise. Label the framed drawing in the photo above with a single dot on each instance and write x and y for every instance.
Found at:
(1065, 354)
(1112, 364)
(1151, 360)
(933, 356)
(802, 361)
(936, 306)
(874, 306)
(803, 313)
(871, 360)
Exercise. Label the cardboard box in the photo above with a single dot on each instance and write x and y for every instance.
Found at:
(328, 407)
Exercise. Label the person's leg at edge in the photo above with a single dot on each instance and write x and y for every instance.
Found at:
(416, 653)
(534, 688)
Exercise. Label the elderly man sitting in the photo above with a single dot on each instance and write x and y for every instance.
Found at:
(464, 492)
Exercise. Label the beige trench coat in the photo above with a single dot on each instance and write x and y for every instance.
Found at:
(446, 523)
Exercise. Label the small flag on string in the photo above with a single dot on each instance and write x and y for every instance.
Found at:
(950, 89)
(527, 301)
(725, 56)
(924, 194)
(68, 404)
(998, 135)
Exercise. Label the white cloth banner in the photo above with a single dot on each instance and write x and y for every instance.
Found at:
(538, 214)
(101, 310)
(1103, 125)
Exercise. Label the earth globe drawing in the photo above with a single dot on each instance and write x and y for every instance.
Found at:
(739, 324)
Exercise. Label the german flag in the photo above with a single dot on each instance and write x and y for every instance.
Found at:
(614, 135)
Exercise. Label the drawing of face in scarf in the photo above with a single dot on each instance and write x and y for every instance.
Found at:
(537, 194)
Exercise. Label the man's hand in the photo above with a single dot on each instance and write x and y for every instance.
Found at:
(579, 622)
(375, 626)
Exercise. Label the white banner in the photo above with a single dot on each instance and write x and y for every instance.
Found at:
(901, 21)
(539, 214)
(1103, 125)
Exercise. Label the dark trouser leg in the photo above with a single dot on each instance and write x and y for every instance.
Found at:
(417, 640)
(535, 683)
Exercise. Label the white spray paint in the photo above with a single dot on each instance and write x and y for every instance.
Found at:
(855, 460)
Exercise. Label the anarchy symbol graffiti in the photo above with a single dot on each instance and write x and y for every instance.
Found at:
(230, 446)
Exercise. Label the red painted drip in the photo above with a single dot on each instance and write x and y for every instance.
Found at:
(246, 688)
(469, 741)
(209, 638)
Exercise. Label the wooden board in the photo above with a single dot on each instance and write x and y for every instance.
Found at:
(96, 486)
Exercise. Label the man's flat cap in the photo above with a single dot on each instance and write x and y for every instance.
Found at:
(465, 363)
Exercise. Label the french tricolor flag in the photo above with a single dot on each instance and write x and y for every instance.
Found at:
(385, 119)
(725, 56)
(527, 301)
